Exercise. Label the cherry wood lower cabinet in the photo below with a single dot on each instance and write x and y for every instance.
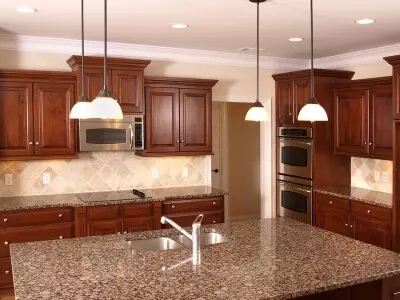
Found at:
(363, 222)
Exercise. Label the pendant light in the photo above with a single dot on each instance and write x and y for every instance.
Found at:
(104, 106)
(83, 108)
(312, 111)
(257, 112)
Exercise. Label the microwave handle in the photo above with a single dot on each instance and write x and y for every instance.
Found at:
(132, 137)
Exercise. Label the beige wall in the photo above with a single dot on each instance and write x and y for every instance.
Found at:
(378, 69)
(243, 153)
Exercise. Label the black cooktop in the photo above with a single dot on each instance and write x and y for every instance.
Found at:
(112, 196)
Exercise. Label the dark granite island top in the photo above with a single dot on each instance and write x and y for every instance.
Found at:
(268, 259)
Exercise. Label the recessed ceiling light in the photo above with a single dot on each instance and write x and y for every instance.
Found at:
(179, 26)
(296, 39)
(365, 21)
(26, 10)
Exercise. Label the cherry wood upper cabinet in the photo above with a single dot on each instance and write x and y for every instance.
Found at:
(34, 112)
(395, 62)
(16, 115)
(302, 93)
(125, 80)
(178, 116)
(162, 119)
(53, 130)
(363, 126)
(284, 98)
(195, 120)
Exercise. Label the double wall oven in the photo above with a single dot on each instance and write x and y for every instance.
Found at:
(294, 168)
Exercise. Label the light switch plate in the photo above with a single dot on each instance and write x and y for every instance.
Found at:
(185, 172)
(154, 173)
(377, 176)
(385, 177)
(46, 178)
(9, 179)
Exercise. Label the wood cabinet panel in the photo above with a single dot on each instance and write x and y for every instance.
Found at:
(371, 212)
(302, 92)
(284, 94)
(6, 277)
(53, 130)
(127, 86)
(138, 224)
(396, 92)
(195, 120)
(351, 122)
(381, 124)
(16, 119)
(33, 234)
(107, 212)
(186, 220)
(333, 202)
(372, 232)
(105, 227)
(180, 206)
(94, 81)
(36, 217)
(333, 220)
(162, 120)
(137, 210)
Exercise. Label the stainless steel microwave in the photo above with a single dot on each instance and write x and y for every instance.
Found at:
(112, 135)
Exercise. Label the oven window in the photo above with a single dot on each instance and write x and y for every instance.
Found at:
(294, 201)
(294, 156)
(106, 136)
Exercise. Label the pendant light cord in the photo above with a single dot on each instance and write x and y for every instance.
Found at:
(312, 51)
(105, 44)
(83, 53)
(258, 51)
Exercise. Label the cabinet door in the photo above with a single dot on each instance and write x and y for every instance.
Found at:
(333, 220)
(351, 122)
(162, 120)
(396, 92)
(301, 96)
(284, 102)
(94, 82)
(380, 122)
(186, 220)
(372, 232)
(127, 87)
(54, 132)
(195, 120)
(138, 224)
(16, 119)
(105, 227)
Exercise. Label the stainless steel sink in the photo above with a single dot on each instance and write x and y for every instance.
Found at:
(210, 238)
(156, 244)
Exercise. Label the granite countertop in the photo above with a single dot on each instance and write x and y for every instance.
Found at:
(268, 259)
(76, 200)
(359, 194)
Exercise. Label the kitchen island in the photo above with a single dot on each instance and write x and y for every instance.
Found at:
(267, 259)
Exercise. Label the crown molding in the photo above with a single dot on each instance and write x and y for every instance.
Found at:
(358, 57)
(73, 47)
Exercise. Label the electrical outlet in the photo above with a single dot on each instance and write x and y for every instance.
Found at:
(46, 178)
(154, 173)
(9, 179)
(185, 172)
(385, 177)
(377, 176)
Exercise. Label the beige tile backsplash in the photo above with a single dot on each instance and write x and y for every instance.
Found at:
(100, 171)
(363, 174)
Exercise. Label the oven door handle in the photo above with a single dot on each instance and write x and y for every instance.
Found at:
(296, 141)
(132, 137)
(295, 187)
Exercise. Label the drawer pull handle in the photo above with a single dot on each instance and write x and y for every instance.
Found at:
(6, 243)
(214, 222)
(368, 211)
(5, 220)
(60, 237)
(214, 203)
(173, 206)
(60, 215)
(330, 202)
(7, 272)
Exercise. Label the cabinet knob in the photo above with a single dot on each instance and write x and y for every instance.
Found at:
(214, 203)
(5, 220)
(177, 141)
(37, 143)
(182, 141)
(6, 243)
(60, 237)
(125, 231)
(368, 211)
(370, 144)
(60, 215)
(118, 232)
(173, 206)
(30, 143)
(347, 225)
(7, 272)
(214, 222)
(365, 143)
(351, 226)
(330, 202)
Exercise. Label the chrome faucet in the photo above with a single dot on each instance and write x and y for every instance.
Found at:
(194, 237)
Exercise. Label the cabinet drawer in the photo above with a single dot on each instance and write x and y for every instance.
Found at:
(334, 202)
(6, 278)
(186, 220)
(33, 234)
(200, 205)
(138, 210)
(371, 211)
(36, 217)
(138, 224)
(105, 227)
(104, 212)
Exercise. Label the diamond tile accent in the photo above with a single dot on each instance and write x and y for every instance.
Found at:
(100, 171)
(366, 177)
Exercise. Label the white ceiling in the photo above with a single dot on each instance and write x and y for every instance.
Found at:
(218, 25)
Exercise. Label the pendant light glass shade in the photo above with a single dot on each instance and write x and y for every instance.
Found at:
(257, 113)
(312, 111)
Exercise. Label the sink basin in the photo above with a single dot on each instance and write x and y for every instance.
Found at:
(156, 244)
(210, 238)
